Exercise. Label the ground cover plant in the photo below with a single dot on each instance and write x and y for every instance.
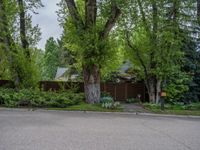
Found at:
(176, 108)
(37, 98)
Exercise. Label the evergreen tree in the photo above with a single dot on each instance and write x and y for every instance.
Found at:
(51, 59)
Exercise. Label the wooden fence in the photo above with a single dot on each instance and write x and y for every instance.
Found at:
(119, 91)
(6, 83)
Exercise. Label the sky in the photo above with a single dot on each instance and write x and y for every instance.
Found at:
(47, 21)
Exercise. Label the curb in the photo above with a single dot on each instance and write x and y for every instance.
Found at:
(97, 112)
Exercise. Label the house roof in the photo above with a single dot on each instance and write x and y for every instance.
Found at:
(60, 72)
(125, 67)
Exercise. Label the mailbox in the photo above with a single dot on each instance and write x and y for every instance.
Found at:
(163, 94)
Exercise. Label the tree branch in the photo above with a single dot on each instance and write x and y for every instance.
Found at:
(115, 13)
(143, 16)
(74, 13)
(137, 54)
(90, 12)
(22, 18)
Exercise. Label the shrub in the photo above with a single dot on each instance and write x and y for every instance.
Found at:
(175, 106)
(108, 103)
(132, 100)
(36, 98)
(107, 99)
(105, 94)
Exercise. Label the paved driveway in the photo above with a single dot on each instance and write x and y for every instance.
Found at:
(40, 130)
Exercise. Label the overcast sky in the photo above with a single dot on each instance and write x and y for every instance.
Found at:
(47, 21)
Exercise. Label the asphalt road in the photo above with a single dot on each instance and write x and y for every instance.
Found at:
(51, 130)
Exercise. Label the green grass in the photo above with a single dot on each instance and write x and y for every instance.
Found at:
(176, 112)
(192, 109)
(88, 107)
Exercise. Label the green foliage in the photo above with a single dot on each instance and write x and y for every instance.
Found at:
(107, 99)
(192, 67)
(36, 98)
(175, 106)
(51, 59)
(105, 94)
(27, 69)
(88, 107)
(4, 65)
(177, 85)
(108, 102)
(109, 105)
(132, 100)
(89, 48)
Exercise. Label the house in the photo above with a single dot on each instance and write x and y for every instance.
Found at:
(124, 73)
(65, 74)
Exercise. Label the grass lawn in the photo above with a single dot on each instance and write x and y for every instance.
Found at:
(174, 111)
(88, 107)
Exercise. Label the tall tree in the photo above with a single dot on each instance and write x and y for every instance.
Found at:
(156, 39)
(51, 59)
(91, 37)
(7, 45)
(14, 13)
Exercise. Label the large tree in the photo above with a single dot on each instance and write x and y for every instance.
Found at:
(92, 38)
(7, 45)
(18, 38)
(154, 35)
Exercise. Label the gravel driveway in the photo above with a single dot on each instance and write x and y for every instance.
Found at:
(54, 130)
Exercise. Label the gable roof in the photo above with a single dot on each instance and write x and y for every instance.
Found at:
(60, 72)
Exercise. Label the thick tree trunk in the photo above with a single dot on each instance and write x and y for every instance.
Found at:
(92, 84)
(91, 73)
(151, 91)
(150, 84)
(158, 90)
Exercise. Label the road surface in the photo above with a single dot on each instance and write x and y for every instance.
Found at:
(54, 130)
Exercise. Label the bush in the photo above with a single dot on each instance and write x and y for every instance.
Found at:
(36, 98)
(113, 105)
(107, 99)
(132, 100)
(175, 106)
(105, 94)
(108, 102)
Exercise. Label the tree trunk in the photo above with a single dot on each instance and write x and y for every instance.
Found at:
(91, 72)
(92, 84)
(152, 92)
(150, 83)
(158, 90)
(22, 17)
